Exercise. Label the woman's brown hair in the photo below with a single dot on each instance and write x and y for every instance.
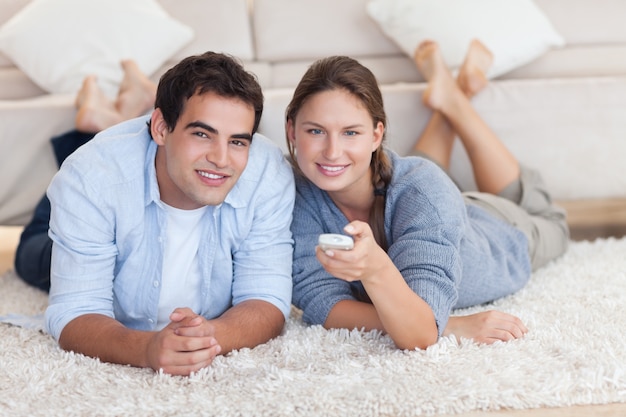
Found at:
(344, 73)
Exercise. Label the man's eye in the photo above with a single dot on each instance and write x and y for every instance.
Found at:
(238, 142)
(351, 133)
(201, 134)
(315, 131)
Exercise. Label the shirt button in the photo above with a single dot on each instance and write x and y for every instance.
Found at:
(155, 283)
(150, 321)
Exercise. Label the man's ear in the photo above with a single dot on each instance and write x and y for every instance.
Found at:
(158, 127)
(379, 133)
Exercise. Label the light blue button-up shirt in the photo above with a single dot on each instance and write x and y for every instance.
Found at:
(108, 226)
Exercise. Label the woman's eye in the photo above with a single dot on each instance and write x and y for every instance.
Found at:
(315, 131)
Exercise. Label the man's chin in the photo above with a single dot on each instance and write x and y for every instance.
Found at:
(210, 196)
(212, 200)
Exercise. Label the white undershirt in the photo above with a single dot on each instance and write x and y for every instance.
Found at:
(181, 278)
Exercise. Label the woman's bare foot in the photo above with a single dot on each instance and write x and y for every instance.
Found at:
(472, 74)
(137, 92)
(442, 89)
(493, 165)
(96, 111)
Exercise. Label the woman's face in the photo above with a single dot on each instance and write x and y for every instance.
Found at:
(334, 137)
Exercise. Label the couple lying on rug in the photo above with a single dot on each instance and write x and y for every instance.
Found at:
(173, 232)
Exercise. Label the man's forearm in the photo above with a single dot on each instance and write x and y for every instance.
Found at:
(248, 324)
(102, 337)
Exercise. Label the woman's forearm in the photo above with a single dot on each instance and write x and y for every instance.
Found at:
(405, 316)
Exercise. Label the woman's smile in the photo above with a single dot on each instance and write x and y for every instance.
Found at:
(332, 170)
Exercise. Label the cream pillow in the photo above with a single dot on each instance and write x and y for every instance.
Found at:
(58, 42)
(516, 31)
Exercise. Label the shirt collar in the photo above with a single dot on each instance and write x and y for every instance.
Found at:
(152, 192)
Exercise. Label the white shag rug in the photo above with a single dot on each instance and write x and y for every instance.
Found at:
(574, 354)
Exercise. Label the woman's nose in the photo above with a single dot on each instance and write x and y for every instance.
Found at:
(332, 149)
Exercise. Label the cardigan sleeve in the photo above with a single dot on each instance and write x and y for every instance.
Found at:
(315, 291)
(427, 220)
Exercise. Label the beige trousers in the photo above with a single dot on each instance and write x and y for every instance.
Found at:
(527, 205)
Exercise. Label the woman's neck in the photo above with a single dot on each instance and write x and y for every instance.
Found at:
(356, 202)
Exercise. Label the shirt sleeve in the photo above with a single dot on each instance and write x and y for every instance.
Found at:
(83, 253)
(262, 263)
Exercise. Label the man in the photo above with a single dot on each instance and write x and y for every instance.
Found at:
(171, 238)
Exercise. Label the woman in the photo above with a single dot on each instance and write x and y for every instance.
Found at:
(421, 247)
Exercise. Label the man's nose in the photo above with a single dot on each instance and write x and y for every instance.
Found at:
(218, 153)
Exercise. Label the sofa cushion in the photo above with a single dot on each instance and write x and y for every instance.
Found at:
(387, 69)
(587, 22)
(571, 129)
(516, 31)
(7, 9)
(308, 29)
(219, 25)
(16, 85)
(28, 165)
(575, 61)
(101, 33)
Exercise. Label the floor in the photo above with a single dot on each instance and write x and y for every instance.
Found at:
(588, 220)
(596, 218)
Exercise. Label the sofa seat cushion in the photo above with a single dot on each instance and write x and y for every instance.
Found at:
(571, 61)
(387, 69)
(28, 163)
(16, 85)
(575, 61)
(571, 129)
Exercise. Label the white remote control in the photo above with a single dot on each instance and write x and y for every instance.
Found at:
(335, 241)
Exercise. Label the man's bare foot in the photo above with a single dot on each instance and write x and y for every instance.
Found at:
(96, 111)
(137, 92)
(442, 89)
(472, 74)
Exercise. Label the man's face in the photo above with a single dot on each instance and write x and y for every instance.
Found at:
(200, 161)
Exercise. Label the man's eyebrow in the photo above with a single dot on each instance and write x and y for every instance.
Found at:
(211, 129)
(201, 125)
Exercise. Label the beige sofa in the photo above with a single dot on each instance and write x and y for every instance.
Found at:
(564, 113)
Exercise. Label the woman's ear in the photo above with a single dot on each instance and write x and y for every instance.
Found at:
(290, 130)
(158, 127)
(379, 134)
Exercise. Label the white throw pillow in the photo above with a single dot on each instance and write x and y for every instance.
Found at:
(516, 31)
(58, 42)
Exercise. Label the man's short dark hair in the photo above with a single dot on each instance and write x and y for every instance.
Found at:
(210, 72)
